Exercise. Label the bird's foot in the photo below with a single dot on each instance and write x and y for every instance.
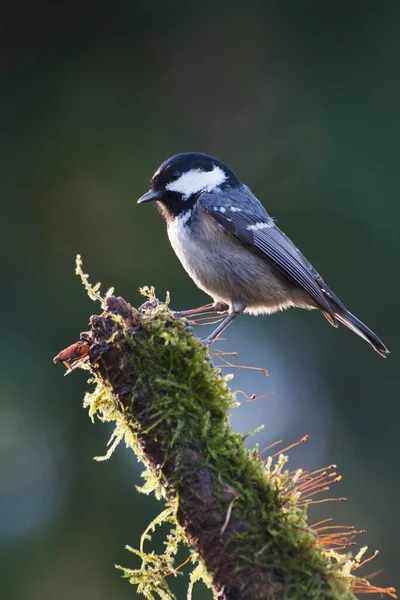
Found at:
(149, 304)
(188, 328)
(202, 310)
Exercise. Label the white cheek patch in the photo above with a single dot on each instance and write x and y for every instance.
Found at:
(196, 180)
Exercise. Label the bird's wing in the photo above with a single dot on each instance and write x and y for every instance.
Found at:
(260, 234)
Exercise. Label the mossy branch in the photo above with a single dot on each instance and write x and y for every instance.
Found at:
(240, 517)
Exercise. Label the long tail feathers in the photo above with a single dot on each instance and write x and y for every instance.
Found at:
(363, 331)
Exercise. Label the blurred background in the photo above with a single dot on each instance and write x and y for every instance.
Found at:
(302, 101)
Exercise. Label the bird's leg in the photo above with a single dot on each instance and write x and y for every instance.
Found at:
(227, 321)
(202, 310)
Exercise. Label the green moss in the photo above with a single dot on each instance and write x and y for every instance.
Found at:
(190, 409)
(194, 401)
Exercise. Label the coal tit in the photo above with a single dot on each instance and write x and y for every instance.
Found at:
(232, 249)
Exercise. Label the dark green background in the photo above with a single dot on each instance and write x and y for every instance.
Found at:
(302, 100)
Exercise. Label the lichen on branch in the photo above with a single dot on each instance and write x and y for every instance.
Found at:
(242, 519)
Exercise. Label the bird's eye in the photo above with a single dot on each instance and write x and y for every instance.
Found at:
(174, 175)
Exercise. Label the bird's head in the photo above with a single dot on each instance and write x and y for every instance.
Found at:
(180, 180)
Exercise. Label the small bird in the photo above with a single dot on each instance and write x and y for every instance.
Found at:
(232, 249)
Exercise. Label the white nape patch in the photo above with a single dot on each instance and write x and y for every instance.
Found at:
(258, 226)
(197, 180)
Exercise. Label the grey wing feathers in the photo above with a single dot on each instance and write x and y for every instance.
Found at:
(259, 233)
(256, 229)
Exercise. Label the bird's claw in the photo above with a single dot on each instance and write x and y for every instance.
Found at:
(180, 314)
(189, 328)
(148, 304)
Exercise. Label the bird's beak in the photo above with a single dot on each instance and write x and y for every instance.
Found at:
(149, 196)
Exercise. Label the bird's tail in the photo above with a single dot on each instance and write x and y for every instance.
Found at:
(348, 319)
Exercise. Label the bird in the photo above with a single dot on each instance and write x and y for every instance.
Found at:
(234, 251)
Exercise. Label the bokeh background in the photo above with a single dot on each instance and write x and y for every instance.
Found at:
(302, 100)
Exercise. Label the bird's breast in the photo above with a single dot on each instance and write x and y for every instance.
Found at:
(222, 267)
(190, 251)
